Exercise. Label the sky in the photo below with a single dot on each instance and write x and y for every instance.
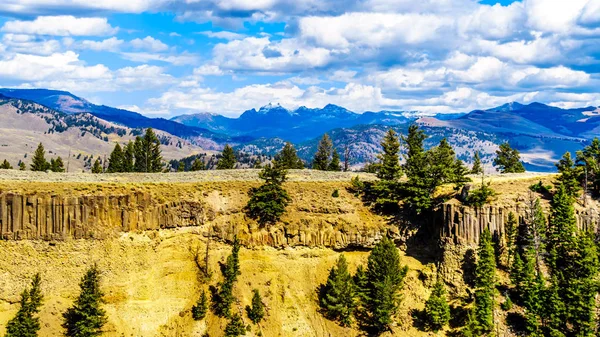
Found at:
(168, 57)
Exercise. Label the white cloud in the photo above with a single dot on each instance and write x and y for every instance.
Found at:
(64, 25)
(225, 35)
(373, 29)
(111, 44)
(149, 43)
(178, 60)
(19, 43)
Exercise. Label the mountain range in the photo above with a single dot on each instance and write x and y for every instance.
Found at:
(541, 132)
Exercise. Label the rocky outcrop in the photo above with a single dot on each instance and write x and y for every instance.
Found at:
(463, 225)
(52, 217)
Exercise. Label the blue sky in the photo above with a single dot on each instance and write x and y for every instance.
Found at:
(168, 57)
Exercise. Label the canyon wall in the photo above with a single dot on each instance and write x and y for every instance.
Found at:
(46, 216)
(463, 225)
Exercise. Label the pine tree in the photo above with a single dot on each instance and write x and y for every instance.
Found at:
(39, 162)
(415, 155)
(141, 162)
(389, 159)
(437, 310)
(508, 160)
(197, 165)
(385, 279)
(86, 317)
(115, 161)
(235, 327)
(181, 166)
(200, 309)
(516, 272)
(530, 293)
(569, 175)
(361, 285)
(287, 158)
(477, 168)
(511, 234)
(582, 314)
(223, 298)
(589, 160)
(485, 283)
(267, 202)
(57, 165)
(97, 168)
(152, 151)
(256, 312)
(553, 310)
(321, 159)
(26, 323)
(334, 164)
(337, 295)
(128, 163)
(6, 165)
(227, 160)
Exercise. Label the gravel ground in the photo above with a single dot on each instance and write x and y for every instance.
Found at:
(179, 177)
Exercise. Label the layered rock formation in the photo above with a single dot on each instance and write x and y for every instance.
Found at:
(463, 225)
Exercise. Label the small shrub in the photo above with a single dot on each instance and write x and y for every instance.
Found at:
(507, 304)
(539, 187)
(336, 194)
(480, 196)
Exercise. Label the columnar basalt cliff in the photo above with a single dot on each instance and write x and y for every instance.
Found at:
(47, 216)
(463, 225)
(53, 217)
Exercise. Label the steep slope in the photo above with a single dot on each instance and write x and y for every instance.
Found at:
(25, 124)
(69, 103)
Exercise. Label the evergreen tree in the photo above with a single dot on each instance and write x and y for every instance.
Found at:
(26, 323)
(485, 283)
(86, 317)
(389, 159)
(437, 310)
(97, 168)
(268, 202)
(231, 270)
(115, 161)
(256, 312)
(477, 168)
(140, 164)
(227, 160)
(337, 295)
(508, 160)
(582, 314)
(385, 279)
(128, 163)
(511, 234)
(415, 161)
(39, 162)
(197, 165)
(152, 151)
(287, 158)
(569, 175)
(553, 310)
(361, 285)
(321, 159)
(6, 165)
(334, 164)
(235, 327)
(21, 166)
(57, 165)
(516, 272)
(589, 160)
(199, 310)
(530, 293)
(181, 166)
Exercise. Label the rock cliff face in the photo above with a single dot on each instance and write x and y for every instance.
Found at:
(52, 217)
(46, 216)
(463, 225)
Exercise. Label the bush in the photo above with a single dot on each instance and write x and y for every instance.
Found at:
(199, 310)
(480, 196)
(539, 187)
(335, 194)
(268, 202)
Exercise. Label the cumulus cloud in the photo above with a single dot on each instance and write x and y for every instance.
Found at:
(111, 44)
(149, 43)
(63, 25)
(224, 35)
(179, 60)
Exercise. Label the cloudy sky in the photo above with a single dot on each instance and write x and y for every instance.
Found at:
(167, 57)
